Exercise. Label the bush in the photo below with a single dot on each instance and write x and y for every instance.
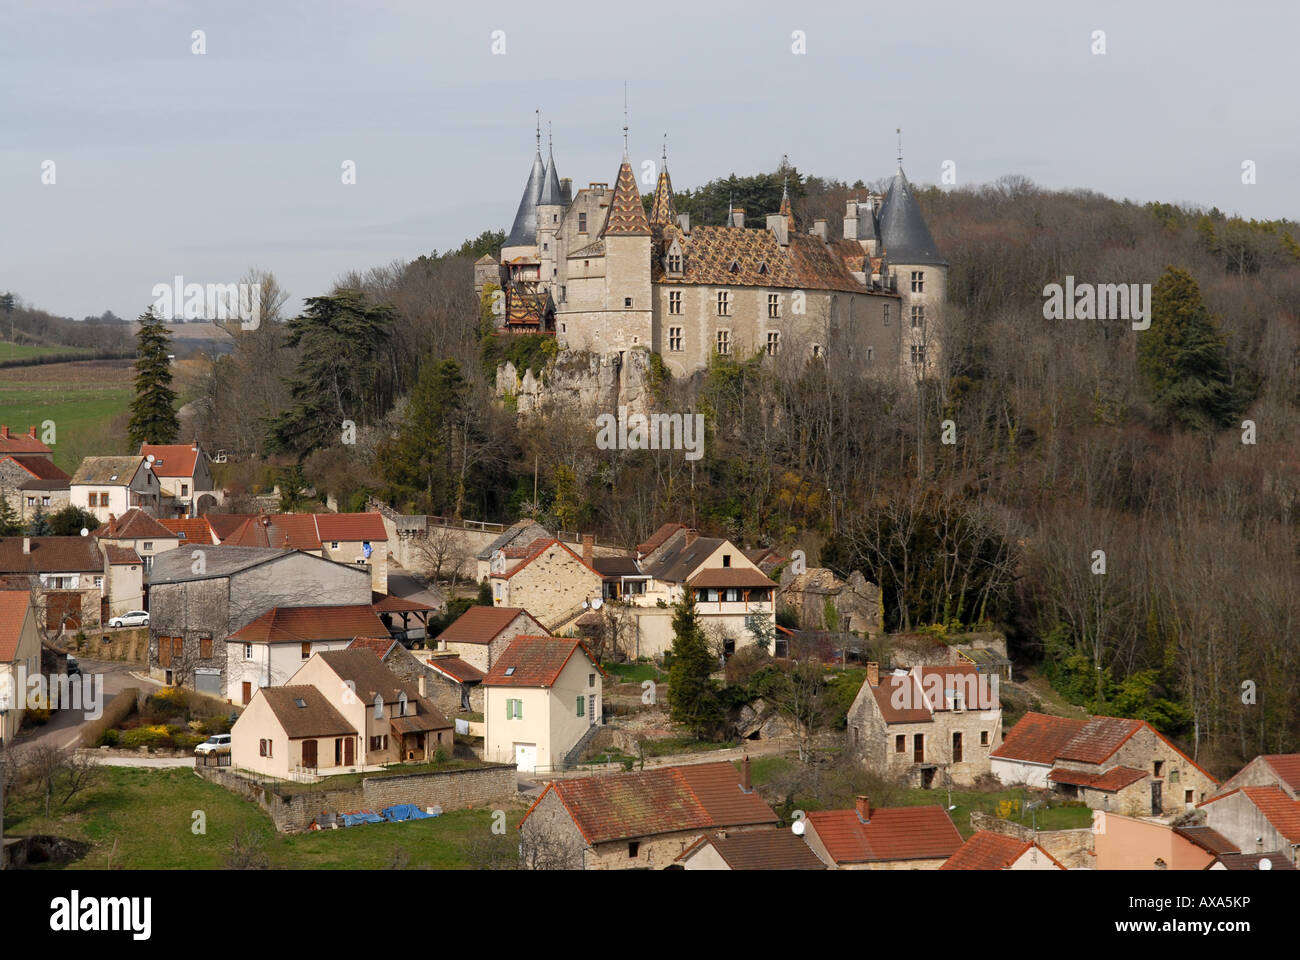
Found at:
(108, 738)
(153, 737)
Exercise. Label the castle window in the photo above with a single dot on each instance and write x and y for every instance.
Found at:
(724, 303)
(918, 281)
(774, 304)
(817, 350)
(734, 267)
(675, 338)
(627, 301)
(918, 317)
(582, 223)
(724, 342)
(871, 354)
(674, 263)
(675, 302)
(773, 343)
(918, 355)
(886, 315)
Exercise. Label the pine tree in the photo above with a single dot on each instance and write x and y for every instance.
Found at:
(692, 695)
(1184, 359)
(10, 525)
(423, 461)
(40, 524)
(153, 411)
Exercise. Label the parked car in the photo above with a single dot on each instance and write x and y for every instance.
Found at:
(74, 668)
(132, 618)
(214, 744)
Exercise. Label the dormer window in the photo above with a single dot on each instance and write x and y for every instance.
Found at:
(379, 706)
(674, 263)
(762, 268)
(734, 267)
(401, 704)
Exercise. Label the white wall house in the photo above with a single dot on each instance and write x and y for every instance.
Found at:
(113, 485)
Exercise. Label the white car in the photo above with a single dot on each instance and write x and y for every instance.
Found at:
(214, 744)
(132, 618)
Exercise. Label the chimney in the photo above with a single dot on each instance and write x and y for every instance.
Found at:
(691, 536)
(421, 685)
(873, 673)
(863, 808)
(738, 216)
(31, 431)
(588, 543)
(780, 228)
(4, 432)
(684, 222)
(851, 220)
(819, 229)
(745, 783)
(27, 545)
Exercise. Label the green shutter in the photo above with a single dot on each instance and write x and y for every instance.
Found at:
(519, 709)
(581, 706)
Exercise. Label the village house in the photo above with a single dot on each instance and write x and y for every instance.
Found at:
(189, 530)
(1257, 819)
(184, 477)
(355, 538)
(928, 726)
(480, 634)
(282, 730)
(140, 532)
(1281, 770)
(1140, 843)
(1112, 764)
(200, 595)
(445, 679)
(271, 648)
(124, 581)
(986, 850)
(33, 482)
(110, 486)
(756, 850)
(641, 820)
(69, 572)
(517, 536)
(893, 838)
(551, 581)
(20, 658)
(23, 446)
(542, 699)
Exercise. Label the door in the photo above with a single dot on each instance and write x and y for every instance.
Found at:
(338, 751)
(349, 752)
(918, 748)
(1156, 805)
(248, 692)
(526, 757)
(956, 747)
(309, 754)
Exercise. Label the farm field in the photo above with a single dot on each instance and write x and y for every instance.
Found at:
(83, 398)
(24, 351)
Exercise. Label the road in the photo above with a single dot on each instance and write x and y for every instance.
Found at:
(64, 727)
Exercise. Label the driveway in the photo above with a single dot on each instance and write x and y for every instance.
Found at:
(64, 727)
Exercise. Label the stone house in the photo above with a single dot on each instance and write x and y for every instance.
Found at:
(813, 593)
(986, 850)
(200, 595)
(453, 685)
(755, 850)
(542, 699)
(110, 486)
(1256, 820)
(33, 482)
(69, 572)
(517, 536)
(641, 820)
(352, 538)
(928, 726)
(20, 657)
(552, 582)
(1118, 765)
(480, 634)
(184, 476)
(891, 838)
(1281, 770)
(140, 532)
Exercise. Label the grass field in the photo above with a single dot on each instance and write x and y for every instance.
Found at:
(150, 815)
(83, 399)
(17, 351)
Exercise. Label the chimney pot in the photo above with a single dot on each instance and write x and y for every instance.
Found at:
(4, 431)
(819, 228)
(745, 774)
(737, 216)
(31, 431)
(588, 545)
(863, 807)
(27, 545)
(691, 536)
(873, 673)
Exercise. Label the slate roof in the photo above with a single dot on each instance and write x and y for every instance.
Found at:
(626, 214)
(523, 232)
(760, 850)
(903, 232)
(986, 850)
(303, 624)
(532, 661)
(50, 555)
(13, 613)
(171, 459)
(480, 624)
(135, 524)
(102, 470)
(316, 717)
(892, 833)
(550, 194)
(176, 566)
(647, 803)
(678, 560)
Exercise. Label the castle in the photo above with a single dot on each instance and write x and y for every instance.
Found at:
(594, 270)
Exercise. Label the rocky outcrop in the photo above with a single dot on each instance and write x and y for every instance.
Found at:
(761, 718)
(582, 381)
(856, 601)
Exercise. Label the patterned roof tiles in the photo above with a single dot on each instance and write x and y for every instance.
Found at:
(626, 214)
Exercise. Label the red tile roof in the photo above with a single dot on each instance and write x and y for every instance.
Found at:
(534, 661)
(760, 850)
(376, 645)
(171, 459)
(539, 547)
(225, 524)
(135, 524)
(894, 696)
(1286, 766)
(13, 612)
(120, 556)
(1038, 738)
(1098, 739)
(21, 443)
(196, 530)
(300, 624)
(481, 624)
(294, 531)
(50, 555)
(648, 803)
(658, 537)
(351, 526)
(892, 833)
(992, 851)
(1279, 809)
(457, 669)
(40, 468)
(1116, 778)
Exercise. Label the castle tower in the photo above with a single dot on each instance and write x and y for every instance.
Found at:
(663, 211)
(522, 239)
(550, 209)
(628, 320)
(920, 274)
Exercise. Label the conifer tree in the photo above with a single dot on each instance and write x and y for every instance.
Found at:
(153, 411)
(10, 525)
(692, 695)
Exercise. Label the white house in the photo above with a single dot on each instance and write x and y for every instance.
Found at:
(113, 485)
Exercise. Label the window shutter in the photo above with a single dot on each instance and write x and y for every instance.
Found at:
(581, 706)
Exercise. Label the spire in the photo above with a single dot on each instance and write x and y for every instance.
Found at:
(663, 211)
(625, 155)
(523, 233)
(626, 214)
(551, 180)
(903, 231)
(785, 188)
(731, 217)
(899, 131)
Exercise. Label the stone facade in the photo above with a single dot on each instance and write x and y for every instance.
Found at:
(551, 587)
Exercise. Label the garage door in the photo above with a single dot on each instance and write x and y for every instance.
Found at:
(526, 756)
(208, 681)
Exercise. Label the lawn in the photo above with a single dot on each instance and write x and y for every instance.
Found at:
(82, 399)
(150, 813)
(634, 672)
(23, 351)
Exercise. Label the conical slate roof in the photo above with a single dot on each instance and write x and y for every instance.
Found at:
(903, 232)
(551, 182)
(524, 231)
(626, 215)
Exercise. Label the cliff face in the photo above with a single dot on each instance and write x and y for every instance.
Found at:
(589, 383)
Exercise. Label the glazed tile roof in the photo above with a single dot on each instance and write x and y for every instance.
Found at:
(760, 850)
(304, 624)
(626, 214)
(480, 624)
(892, 833)
(986, 850)
(171, 459)
(663, 210)
(648, 803)
(532, 661)
(745, 256)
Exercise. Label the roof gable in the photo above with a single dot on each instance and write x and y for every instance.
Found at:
(891, 833)
(306, 624)
(535, 661)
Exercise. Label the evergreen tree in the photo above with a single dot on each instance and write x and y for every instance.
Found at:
(692, 695)
(1184, 360)
(422, 462)
(153, 411)
(40, 523)
(70, 521)
(10, 525)
(291, 485)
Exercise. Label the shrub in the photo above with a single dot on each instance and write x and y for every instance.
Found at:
(108, 738)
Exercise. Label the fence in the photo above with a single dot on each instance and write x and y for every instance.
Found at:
(214, 759)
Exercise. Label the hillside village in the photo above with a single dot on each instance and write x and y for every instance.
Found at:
(536, 675)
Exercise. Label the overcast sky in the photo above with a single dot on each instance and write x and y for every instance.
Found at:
(167, 162)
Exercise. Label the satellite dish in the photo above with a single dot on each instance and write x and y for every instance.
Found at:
(597, 603)
(149, 458)
(84, 532)
(1266, 864)
(797, 827)
(585, 605)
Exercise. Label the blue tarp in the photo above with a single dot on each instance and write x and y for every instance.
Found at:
(356, 819)
(405, 811)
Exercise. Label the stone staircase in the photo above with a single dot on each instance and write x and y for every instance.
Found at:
(576, 753)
